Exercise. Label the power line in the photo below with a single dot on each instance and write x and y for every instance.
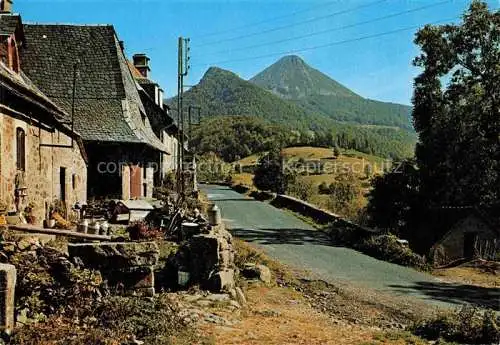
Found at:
(326, 45)
(331, 30)
(291, 25)
(265, 20)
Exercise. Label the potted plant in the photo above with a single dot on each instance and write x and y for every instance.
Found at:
(28, 213)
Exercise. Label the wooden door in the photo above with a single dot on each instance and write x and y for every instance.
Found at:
(135, 181)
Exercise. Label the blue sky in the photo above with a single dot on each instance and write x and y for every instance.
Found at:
(378, 68)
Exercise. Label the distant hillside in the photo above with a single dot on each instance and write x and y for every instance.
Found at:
(292, 79)
(233, 137)
(222, 92)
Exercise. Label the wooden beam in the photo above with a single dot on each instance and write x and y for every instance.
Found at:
(66, 233)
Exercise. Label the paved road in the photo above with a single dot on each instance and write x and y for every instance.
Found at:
(295, 243)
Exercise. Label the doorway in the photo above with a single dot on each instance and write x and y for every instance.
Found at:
(470, 239)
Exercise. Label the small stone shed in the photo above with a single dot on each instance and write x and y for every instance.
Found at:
(466, 233)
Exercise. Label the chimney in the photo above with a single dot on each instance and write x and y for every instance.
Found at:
(141, 62)
(5, 6)
(122, 45)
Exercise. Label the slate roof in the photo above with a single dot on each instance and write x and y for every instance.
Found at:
(108, 107)
(9, 23)
(22, 87)
(158, 117)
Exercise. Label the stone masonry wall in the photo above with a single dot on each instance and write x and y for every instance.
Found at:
(127, 266)
(43, 164)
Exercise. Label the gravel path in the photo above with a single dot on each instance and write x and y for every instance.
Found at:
(296, 243)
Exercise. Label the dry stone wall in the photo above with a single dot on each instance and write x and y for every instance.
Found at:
(127, 266)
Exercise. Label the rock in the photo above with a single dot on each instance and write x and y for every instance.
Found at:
(240, 296)
(218, 297)
(261, 272)
(235, 304)
(132, 278)
(222, 280)
(212, 318)
(192, 298)
(24, 244)
(7, 289)
(204, 303)
(9, 247)
(115, 255)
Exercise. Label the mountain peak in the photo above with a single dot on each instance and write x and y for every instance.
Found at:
(214, 70)
(292, 78)
(294, 59)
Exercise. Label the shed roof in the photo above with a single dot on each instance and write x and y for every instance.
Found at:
(108, 107)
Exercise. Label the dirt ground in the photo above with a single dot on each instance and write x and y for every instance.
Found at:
(281, 315)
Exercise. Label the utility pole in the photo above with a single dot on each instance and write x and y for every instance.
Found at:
(193, 122)
(182, 71)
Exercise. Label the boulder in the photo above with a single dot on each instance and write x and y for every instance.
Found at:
(254, 271)
(222, 280)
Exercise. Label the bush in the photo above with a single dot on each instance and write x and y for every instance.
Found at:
(116, 321)
(470, 325)
(300, 189)
(387, 247)
(323, 188)
(48, 283)
(143, 231)
(383, 247)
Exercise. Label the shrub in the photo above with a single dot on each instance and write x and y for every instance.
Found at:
(116, 320)
(323, 188)
(143, 231)
(300, 188)
(387, 247)
(383, 247)
(48, 283)
(470, 325)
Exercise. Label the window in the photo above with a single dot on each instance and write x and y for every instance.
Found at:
(20, 149)
(73, 181)
(62, 183)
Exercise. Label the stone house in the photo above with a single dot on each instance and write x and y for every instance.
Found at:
(109, 114)
(465, 233)
(158, 112)
(41, 158)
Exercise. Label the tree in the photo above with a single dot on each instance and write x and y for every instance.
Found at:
(269, 173)
(345, 194)
(458, 154)
(299, 188)
(336, 151)
(456, 114)
(394, 197)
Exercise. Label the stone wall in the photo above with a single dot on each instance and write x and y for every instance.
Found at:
(43, 166)
(209, 259)
(127, 266)
(453, 242)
